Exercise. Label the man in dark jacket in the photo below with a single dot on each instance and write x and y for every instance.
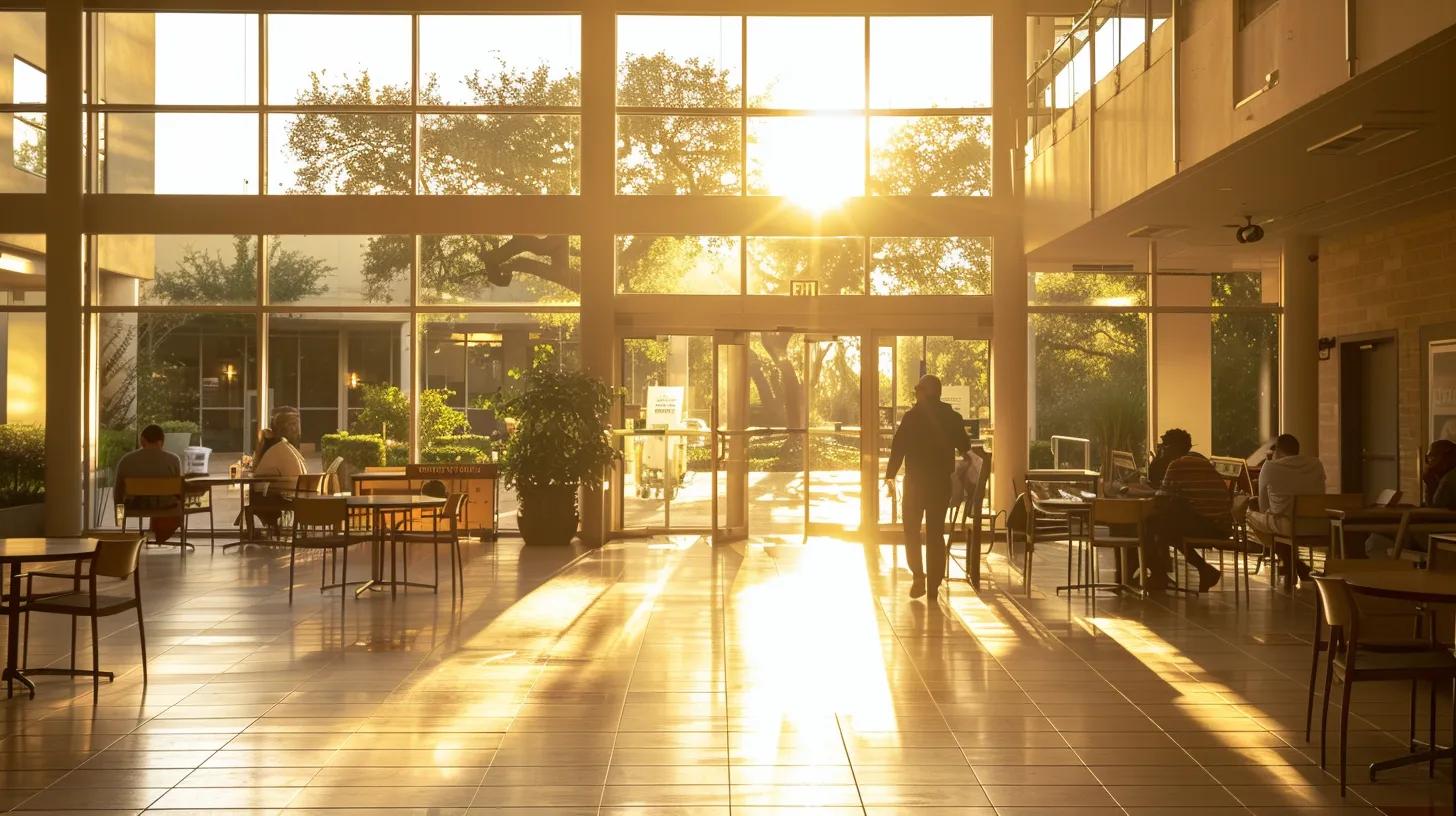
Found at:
(926, 442)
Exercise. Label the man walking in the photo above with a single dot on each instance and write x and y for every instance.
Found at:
(926, 442)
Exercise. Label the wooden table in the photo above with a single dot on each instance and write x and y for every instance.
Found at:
(245, 483)
(379, 506)
(1416, 586)
(16, 553)
(1387, 521)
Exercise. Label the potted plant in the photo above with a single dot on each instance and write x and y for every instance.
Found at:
(561, 441)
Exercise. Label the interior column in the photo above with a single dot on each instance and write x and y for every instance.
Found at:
(1299, 340)
(598, 179)
(64, 332)
(1009, 380)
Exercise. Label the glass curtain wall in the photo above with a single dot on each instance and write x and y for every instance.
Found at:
(1119, 356)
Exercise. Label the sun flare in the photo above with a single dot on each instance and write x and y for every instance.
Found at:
(811, 160)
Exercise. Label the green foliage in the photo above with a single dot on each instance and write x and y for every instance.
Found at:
(444, 454)
(206, 278)
(479, 442)
(357, 450)
(22, 464)
(111, 445)
(386, 411)
(180, 426)
(562, 437)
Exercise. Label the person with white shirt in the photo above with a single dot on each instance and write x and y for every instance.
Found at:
(1289, 474)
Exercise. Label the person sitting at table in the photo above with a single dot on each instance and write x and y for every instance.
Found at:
(150, 460)
(276, 459)
(1438, 479)
(1192, 502)
(1288, 474)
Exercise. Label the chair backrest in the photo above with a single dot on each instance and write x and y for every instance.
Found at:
(435, 488)
(1120, 511)
(1387, 498)
(320, 511)
(334, 466)
(1336, 602)
(454, 504)
(153, 486)
(309, 484)
(1314, 506)
(116, 556)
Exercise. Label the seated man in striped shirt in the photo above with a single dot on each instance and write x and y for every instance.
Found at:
(1194, 502)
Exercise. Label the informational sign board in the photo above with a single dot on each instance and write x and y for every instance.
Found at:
(1441, 386)
(959, 398)
(665, 405)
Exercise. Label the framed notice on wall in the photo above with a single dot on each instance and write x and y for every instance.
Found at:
(1441, 390)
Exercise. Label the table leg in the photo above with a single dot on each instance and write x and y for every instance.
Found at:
(12, 634)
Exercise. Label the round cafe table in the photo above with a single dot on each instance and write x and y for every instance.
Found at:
(380, 507)
(245, 485)
(1417, 586)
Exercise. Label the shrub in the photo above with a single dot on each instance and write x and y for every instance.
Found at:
(357, 450)
(111, 445)
(447, 454)
(396, 454)
(1041, 454)
(479, 442)
(181, 426)
(386, 407)
(22, 464)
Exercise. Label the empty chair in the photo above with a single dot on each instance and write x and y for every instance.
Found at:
(1117, 513)
(435, 527)
(322, 523)
(115, 558)
(1350, 661)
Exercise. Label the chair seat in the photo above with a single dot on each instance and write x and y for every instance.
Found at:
(422, 536)
(1402, 662)
(329, 542)
(1117, 541)
(79, 603)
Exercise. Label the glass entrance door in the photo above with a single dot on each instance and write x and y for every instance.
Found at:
(787, 434)
(963, 366)
(665, 479)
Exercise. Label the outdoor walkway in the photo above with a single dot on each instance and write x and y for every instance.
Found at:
(663, 677)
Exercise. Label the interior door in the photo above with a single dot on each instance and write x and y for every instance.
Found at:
(665, 479)
(1369, 417)
(730, 437)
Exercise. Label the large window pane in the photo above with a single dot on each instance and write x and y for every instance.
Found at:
(195, 375)
(181, 269)
(499, 154)
(679, 155)
(1089, 289)
(783, 74)
(1244, 369)
(342, 372)
(334, 59)
(832, 266)
(679, 62)
(500, 59)
(23, 133)
(339, 153)
(1090, 372)
(177, 59)
(678, 264)
(485, 269)
(180, 153)
(814, 161)
(930, 266)
(337, 270)
(22, 270)
(930, 155)
(930, 62)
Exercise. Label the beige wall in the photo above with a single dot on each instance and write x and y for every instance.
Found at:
(1399, 279)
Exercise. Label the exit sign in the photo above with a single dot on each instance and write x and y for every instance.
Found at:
(804, 288)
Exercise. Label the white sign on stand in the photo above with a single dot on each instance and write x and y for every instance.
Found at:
(959, 398)
(665, 405)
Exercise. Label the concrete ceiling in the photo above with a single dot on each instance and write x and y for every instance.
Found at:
(1272, 176)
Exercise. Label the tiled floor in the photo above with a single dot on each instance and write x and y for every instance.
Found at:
(663, 677)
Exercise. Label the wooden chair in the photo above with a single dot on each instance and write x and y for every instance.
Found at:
(1347, 663)
(1109, 513)
(434, 527)
(1236, 542)
(115, 558)
(1310, 511)
(170, 500)
(1021, 525)
(321, 523)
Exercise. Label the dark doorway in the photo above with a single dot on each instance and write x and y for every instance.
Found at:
(1369, 429)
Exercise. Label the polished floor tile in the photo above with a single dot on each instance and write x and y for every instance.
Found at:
(669, 677)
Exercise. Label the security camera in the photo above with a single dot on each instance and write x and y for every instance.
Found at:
(1313, 257)
(1249, 232)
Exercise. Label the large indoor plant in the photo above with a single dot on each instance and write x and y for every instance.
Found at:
(561, 441)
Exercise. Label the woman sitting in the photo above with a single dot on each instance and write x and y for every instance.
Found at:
(276, 459)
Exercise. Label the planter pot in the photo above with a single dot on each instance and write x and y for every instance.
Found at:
(178, 443)
(548, 516)
(22, 521)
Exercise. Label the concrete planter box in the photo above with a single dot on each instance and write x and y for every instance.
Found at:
(22, 521)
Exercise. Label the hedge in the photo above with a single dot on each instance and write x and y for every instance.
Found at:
(22, 464)
(446, 454)
(478, 442)
(358, 450)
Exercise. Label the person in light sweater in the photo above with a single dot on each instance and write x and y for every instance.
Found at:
(282, 464)
(1289, 474)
